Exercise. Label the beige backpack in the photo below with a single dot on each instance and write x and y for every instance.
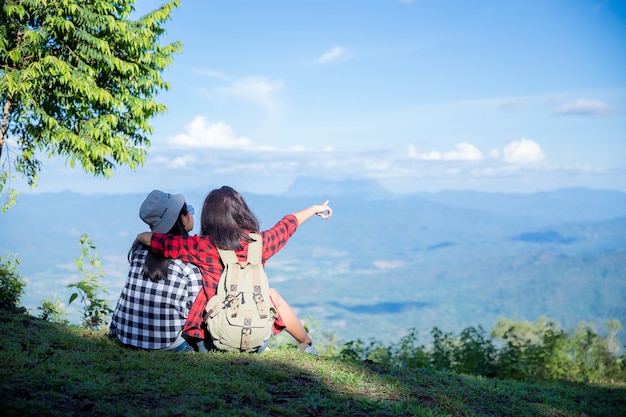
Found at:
(240, 315)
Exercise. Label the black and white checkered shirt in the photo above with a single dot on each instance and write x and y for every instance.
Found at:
(151, 315)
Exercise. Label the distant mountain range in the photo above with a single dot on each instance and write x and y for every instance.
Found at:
(384, 263)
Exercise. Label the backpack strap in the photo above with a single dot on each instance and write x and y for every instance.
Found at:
(246, 331)
(229, 258)
(255, 249)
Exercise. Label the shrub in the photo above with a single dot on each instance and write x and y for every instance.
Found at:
(11, 284)
(521, 350)
(541, 350)
(404, 354)
(95, 308)
(53, 311)
(475, 354)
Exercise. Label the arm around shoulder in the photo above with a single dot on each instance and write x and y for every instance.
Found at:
(145, 238)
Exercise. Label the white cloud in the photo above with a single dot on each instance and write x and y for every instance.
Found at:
(413, 154)
(257, 90)
(462, 152)
(523, 151)
(583, 107)
(389, 264)
(202, 134)
(205, 153)
(334, 54)
(176, 163)
(212, 74)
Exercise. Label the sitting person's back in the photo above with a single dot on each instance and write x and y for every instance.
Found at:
(159, 292)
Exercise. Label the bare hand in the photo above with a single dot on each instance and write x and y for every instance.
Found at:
(145, 238)
(323, 210)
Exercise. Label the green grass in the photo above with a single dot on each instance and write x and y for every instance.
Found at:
(49, 369)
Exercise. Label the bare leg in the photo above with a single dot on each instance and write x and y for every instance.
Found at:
(294, 327)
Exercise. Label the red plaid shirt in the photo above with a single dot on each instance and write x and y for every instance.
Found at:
(200, 251)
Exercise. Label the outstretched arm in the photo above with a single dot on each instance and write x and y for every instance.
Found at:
(322, 210)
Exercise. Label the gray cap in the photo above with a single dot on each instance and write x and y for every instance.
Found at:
(160, 210)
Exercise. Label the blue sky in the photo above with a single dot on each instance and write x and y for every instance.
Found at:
(490, 95)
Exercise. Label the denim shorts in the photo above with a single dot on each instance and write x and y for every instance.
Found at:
(180, 345)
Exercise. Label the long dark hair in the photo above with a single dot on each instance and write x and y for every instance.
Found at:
(156, 265)
(226, 218)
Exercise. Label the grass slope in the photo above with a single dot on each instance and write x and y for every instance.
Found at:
(49, 369)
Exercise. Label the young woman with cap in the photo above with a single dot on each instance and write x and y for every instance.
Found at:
(159, 291)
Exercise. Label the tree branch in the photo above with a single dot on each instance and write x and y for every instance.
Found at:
(5, 124)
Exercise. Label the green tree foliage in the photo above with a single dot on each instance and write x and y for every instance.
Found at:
(78, 80)
(542, 350)
(95, 309)
(11, 284)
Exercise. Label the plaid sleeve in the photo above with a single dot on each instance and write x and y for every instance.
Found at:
(191, 249)
(275, 238)
(157, 244)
